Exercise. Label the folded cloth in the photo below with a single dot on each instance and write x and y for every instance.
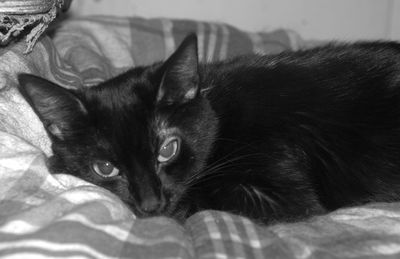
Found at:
(18, 15)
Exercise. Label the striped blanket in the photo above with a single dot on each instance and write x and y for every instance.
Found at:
(59, 216)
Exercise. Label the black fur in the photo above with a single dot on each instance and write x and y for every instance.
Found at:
(274, 138)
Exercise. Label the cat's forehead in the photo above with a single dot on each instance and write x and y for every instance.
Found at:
(121, 94)
(163, 128)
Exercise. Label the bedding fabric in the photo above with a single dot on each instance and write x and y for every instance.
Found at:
(59, 216)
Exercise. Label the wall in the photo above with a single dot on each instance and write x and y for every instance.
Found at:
(313, 19)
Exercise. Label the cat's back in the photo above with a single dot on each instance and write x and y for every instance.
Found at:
(378, 51)
(328, 58)
(333, 89)
(332, 112)
(336, 72)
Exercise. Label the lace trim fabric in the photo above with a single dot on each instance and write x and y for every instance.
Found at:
(15, 18)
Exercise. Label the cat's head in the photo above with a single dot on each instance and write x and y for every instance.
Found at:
(143, 135)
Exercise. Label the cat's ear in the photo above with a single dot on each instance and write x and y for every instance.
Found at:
(180, 81)
(60, 111)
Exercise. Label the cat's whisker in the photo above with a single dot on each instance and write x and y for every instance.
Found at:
(226, 164)
(225, 156)
(204, 90)
(263, 197)
(214, 171)
(235, 158)
(212, 174)
(241, 143)
(243, 146)
(249, 194)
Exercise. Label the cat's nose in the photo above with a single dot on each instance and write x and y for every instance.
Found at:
(152, 205)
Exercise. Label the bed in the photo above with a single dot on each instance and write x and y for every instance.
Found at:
(59, 216)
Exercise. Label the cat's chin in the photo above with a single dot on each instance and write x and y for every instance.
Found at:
(180, 214)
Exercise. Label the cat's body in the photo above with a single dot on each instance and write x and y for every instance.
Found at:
(274, 138)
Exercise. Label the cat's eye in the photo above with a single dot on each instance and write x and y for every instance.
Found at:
(168, 150)
(105, 169)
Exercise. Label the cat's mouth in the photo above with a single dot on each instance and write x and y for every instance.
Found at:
(176, 207)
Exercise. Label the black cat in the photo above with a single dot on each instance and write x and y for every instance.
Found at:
(274, 138)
